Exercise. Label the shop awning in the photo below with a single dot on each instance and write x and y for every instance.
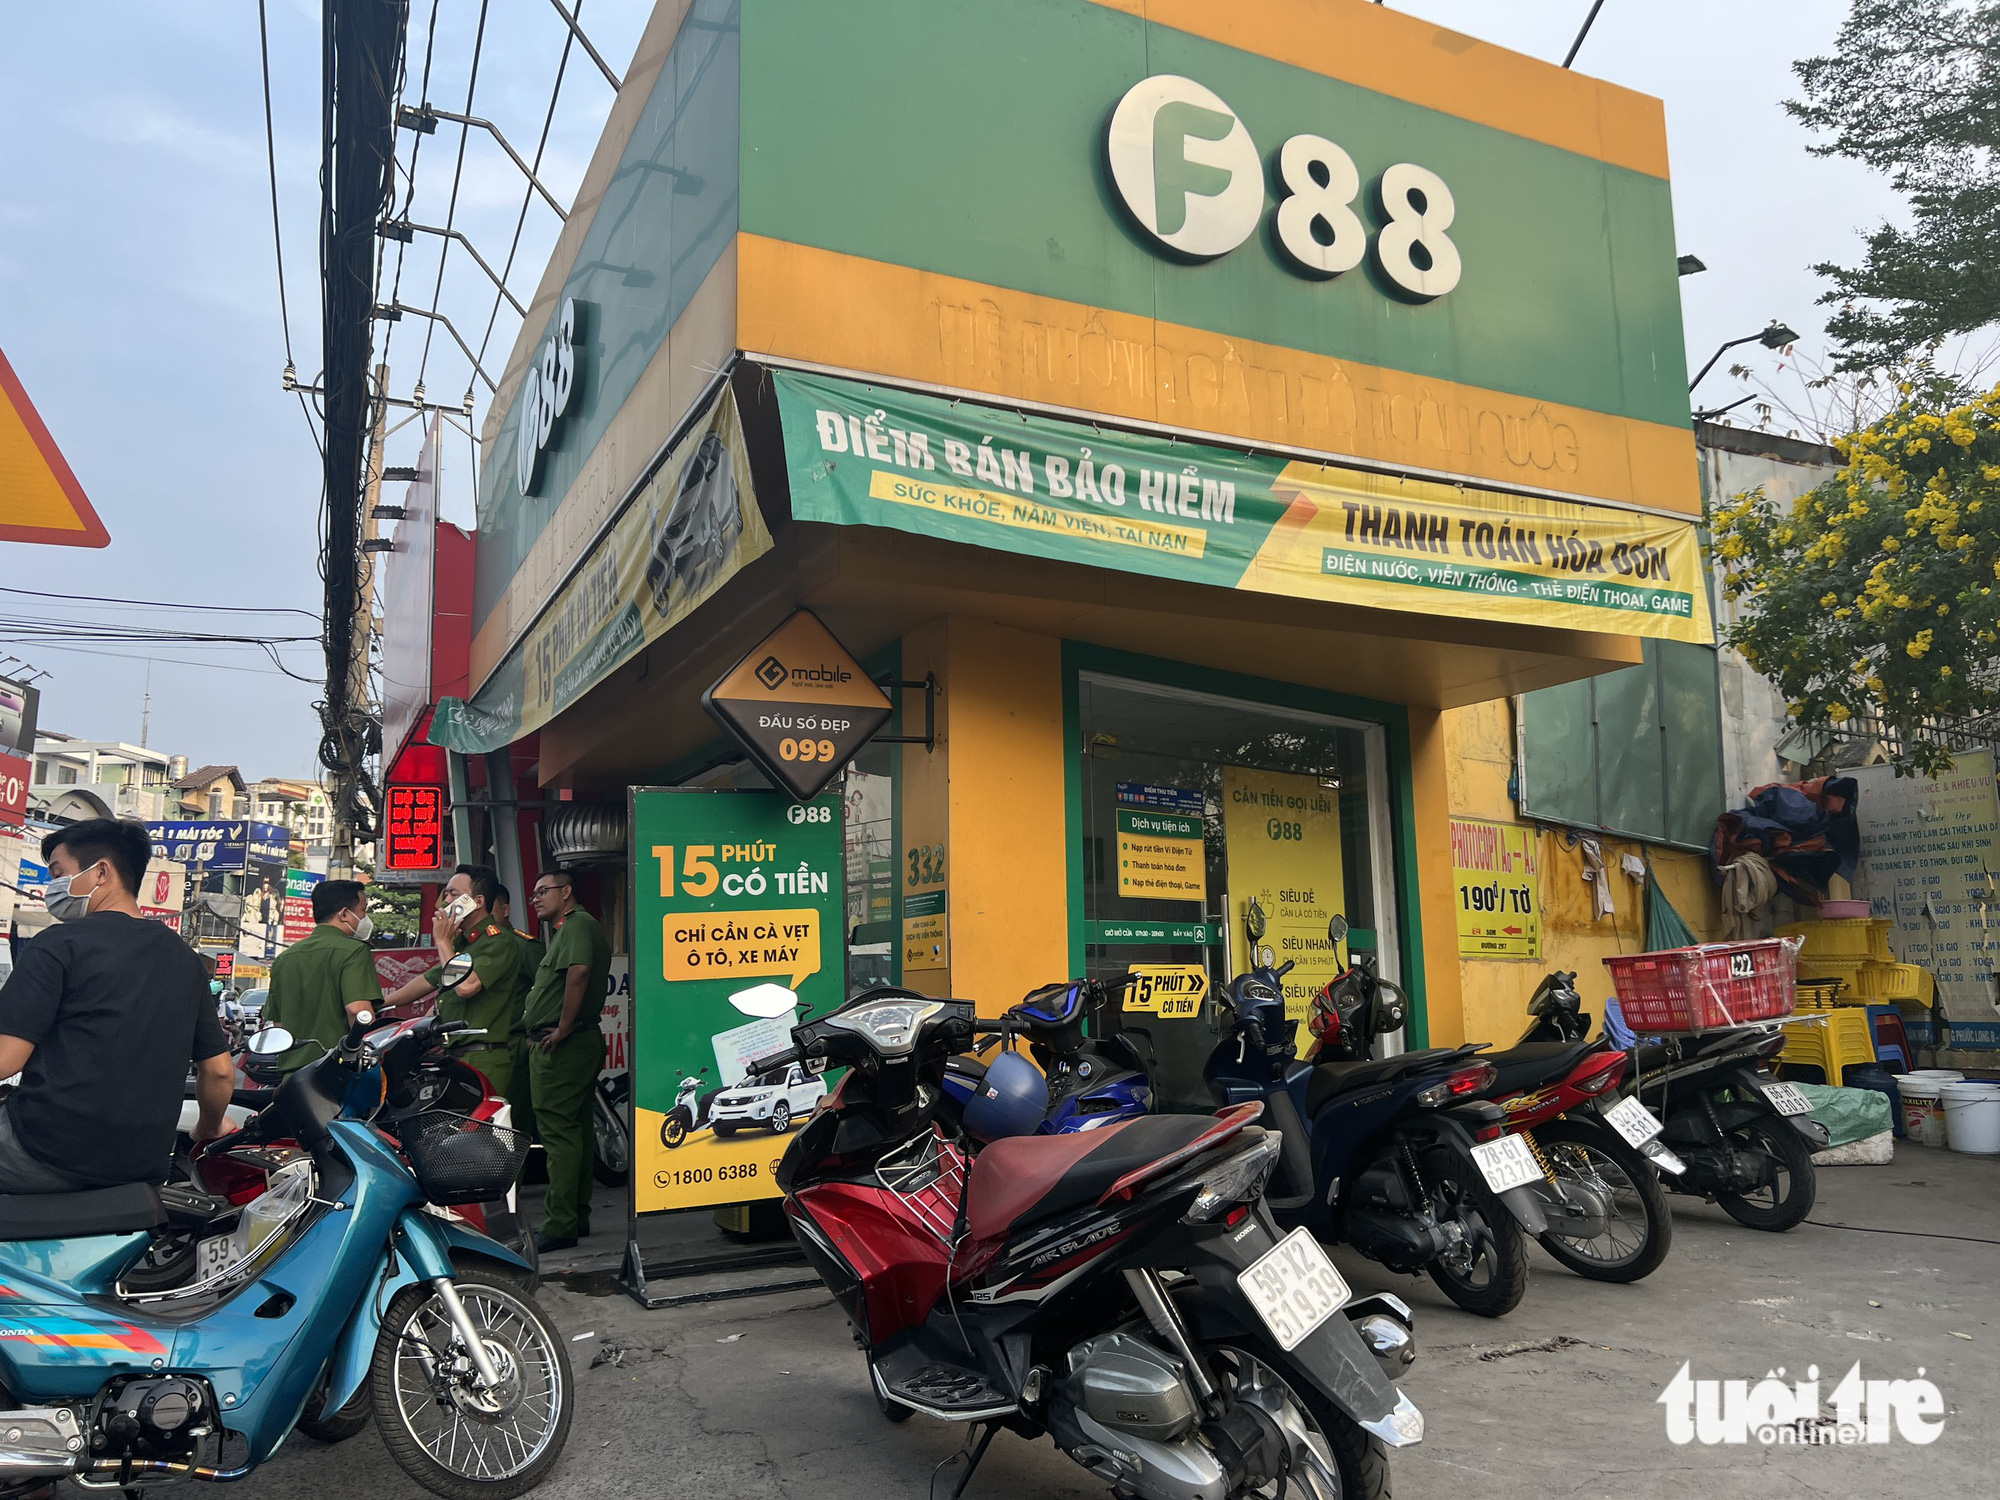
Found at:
(1012, 481)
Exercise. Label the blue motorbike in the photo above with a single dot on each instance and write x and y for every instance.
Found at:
(1092, 1081)
(337, 1284)
(1388, 1154)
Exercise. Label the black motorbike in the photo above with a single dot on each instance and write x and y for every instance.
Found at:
(1391, 1154)
(1745, 1139)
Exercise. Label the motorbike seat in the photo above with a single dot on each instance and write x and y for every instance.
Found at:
(1332, 1079)
(1534, 1065)
(126, 1209)
(1029, 1177)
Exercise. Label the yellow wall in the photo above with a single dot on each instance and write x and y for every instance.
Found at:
(1479, 744)
(992, 793)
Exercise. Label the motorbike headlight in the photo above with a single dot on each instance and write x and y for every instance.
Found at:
(891, 1026)
(1238, 1179)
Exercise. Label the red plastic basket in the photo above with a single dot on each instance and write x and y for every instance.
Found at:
(1708, 987)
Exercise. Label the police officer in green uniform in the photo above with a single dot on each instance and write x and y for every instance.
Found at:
(566, 1053)
(319, 982)
(485, 1000)
(532, 952)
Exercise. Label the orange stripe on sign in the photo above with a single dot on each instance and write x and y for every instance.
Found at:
(1383, 50)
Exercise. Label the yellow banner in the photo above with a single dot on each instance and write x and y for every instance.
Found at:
(1493, 877)
(1282, 833)
(1361, 538)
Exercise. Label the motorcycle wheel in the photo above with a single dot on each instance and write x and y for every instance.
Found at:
(1493, 1275)
(324, 1426)
(614, 1146)
(455, 1441)
(781, 1118)
(673, 1130)
(1641, 1229)
(1332, 1458)
(1788, 1198)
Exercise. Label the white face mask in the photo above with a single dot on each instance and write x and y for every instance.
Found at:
(365, 928)
(61, 904)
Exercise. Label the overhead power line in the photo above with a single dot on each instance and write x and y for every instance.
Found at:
(224, 609)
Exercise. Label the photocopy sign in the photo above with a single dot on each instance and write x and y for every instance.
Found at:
(866, 456)
(1494, 877)
(731, 890)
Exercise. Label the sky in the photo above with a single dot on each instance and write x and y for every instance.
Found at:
(139, 301)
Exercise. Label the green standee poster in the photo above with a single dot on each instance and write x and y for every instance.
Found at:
(730, 891)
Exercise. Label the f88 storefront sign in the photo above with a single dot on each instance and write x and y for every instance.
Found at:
(732, 891)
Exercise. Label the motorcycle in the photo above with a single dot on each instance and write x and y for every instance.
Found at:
(1746, 1138)
(1401, 1156)
(614, 1137)
(1606, 1211)
(335, 1282)
(1092, 1081)
(1124, 1289)
(408, 1072)
(690, 1111)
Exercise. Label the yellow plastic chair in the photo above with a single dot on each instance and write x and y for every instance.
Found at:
(1830, 1040)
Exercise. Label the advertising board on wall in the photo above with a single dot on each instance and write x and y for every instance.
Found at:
(691, 529)
(1930, 863)
(731, 890)
(865, 455)
(217, 847)
(1283, 836)
(1496, 886)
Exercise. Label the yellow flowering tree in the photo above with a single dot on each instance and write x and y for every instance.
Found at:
(1876, 592)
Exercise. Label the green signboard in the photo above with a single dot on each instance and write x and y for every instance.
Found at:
(731, 891)
(1012, 481)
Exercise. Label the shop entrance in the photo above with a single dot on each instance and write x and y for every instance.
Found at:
(1193, 803)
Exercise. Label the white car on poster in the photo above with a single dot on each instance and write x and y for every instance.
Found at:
(772, 1100)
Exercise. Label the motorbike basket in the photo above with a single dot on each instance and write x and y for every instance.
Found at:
(458, 1159)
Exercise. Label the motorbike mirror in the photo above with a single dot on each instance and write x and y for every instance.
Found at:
(765, 1001)
(457, 969)
(1336, 929)
(1253, 919)
(271, 1041)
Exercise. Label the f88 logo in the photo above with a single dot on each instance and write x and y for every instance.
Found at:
(1194, 180)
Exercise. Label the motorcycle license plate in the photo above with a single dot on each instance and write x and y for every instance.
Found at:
(213, 1256)
(1634, 1121)
(1507, 1163)
(1294, 1288)
(1786, 1100)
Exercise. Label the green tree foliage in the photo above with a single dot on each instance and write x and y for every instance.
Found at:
(1876, 593)
(1913, 90)
(395, 909)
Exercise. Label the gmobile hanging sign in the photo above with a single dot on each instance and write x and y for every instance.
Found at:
(800, 704)
(863, 455)
(731, 891)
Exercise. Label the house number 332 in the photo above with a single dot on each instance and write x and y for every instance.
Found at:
(1188, 171)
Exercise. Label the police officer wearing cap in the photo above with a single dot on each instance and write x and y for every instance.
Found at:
(485, 1000)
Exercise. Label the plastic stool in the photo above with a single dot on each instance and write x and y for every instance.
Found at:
(1885, 1023)
(1830, 1040)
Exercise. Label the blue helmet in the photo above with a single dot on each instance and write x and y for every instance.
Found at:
(1010, 1100)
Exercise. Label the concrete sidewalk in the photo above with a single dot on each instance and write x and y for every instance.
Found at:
(765, 1397)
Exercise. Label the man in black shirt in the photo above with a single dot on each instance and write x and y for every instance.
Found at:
(101, 1018)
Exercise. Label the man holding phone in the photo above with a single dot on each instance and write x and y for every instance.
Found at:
(485, 1001)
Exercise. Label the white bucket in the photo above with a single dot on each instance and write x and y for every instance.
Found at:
(1972, 1117)
(1923, 1110)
